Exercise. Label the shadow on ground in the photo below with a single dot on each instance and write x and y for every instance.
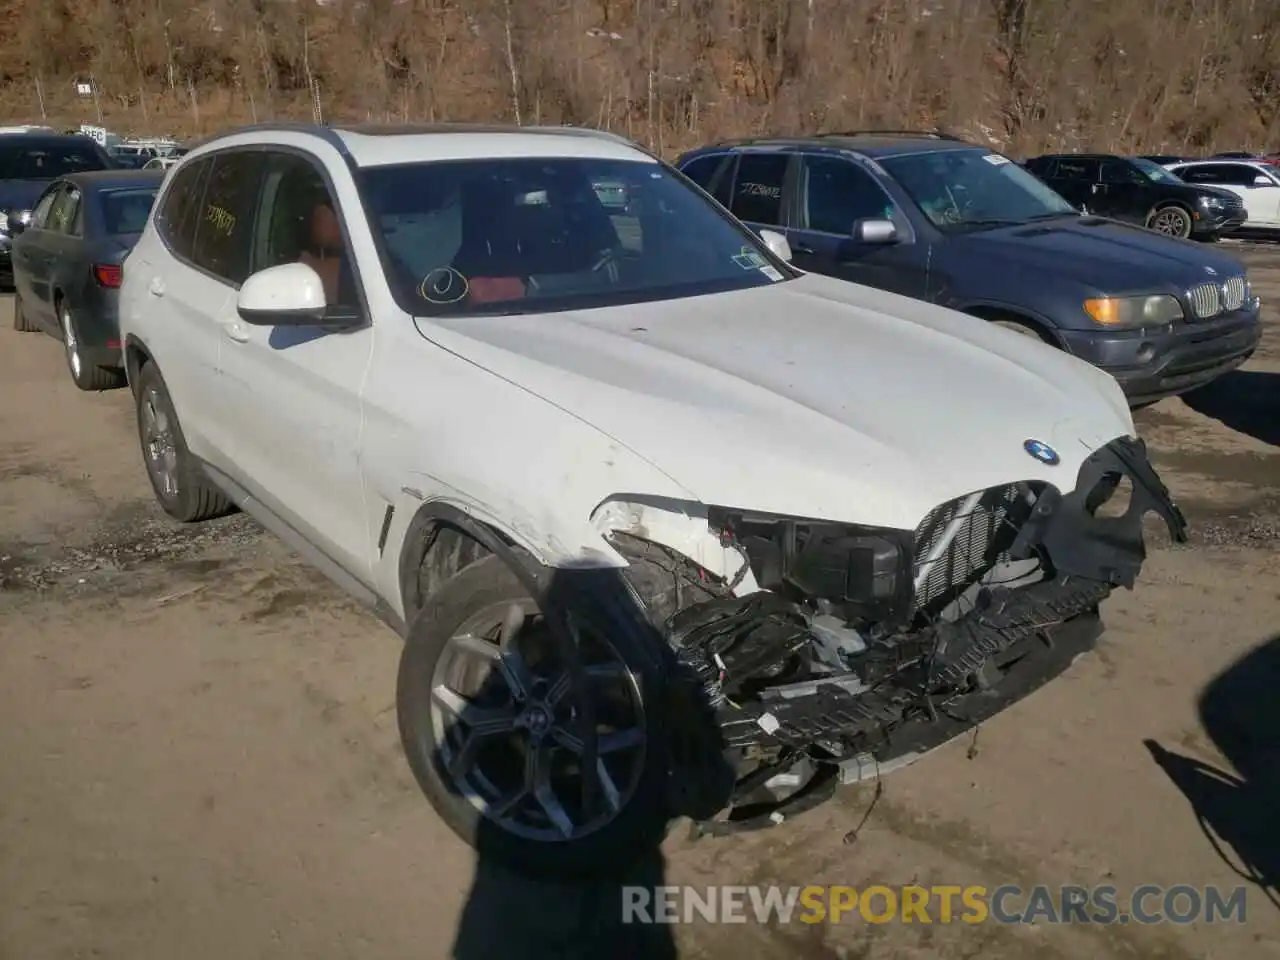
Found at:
(1247, 401)
(1240, 711)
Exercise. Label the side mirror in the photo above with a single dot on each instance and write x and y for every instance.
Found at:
(286, 295)
(777, 245)
(875, 230)
(1262, 181)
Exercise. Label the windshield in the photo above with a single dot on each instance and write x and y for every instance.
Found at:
(47, 163)
(125, 211)
(962, 190)
(1153, 171)
(543, 234)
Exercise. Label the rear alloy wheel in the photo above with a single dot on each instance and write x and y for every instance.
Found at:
(490, 725)
(85, 375)
(180, 485)
(1171, 221)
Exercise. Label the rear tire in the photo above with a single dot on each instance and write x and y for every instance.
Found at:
(20, 321)
(466, 793)
(180, 484)
(85, 375)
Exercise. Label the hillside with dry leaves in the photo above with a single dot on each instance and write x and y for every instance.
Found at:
(1025, 75)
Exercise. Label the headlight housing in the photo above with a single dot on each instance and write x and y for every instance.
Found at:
(4, 222)
(1130, 312)
(1213, 203)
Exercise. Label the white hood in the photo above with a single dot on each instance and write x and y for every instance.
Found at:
(811, 398)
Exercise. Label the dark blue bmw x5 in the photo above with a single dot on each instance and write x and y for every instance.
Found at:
(939, 219)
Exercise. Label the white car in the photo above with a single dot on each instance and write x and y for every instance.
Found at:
(1257, 184)
(669, 527)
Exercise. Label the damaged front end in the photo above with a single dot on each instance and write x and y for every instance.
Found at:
(864, 648)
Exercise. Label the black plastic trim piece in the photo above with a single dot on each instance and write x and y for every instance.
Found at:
(1109, 549)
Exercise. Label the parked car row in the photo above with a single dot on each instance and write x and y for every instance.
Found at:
(929, 217)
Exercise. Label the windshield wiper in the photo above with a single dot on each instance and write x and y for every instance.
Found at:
(990, 222)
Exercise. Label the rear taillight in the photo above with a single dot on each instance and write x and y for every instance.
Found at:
(108, 275)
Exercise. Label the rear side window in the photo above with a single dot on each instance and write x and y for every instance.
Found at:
(125, 211)
(837, 194)
(224, 230)
(176, 219)
(757, 191)
(1067, 168)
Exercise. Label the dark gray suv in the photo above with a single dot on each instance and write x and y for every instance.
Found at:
(935, 218)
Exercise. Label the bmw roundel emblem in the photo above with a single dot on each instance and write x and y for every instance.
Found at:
(1042, 452)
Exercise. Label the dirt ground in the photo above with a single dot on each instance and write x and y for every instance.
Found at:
(198, 755)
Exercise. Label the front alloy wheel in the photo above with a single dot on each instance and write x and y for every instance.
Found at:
(1172, 222)
(495, 733)
(507, 733)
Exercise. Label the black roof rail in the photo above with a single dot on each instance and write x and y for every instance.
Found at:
(927, 134)
(322, 130)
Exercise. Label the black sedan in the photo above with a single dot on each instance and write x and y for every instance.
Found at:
(67, 266)
(29, 162)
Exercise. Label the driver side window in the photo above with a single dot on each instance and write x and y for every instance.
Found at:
(837, 193)
(1119, 173)
(299, 222)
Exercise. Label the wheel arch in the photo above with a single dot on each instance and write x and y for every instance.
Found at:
(999, 311)
(136, 355)
(442, 539)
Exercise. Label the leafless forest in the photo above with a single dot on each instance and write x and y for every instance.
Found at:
(1024, 75)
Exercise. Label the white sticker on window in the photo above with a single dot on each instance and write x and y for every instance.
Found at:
(995, 159)
(771, 272)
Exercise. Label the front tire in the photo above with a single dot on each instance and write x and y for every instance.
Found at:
(487, 721)
(1172, 221)
(180, 484)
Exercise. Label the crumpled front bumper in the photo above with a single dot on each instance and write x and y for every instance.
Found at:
(927, 687)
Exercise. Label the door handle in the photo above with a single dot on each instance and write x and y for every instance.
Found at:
(802, 248)
(156, 287)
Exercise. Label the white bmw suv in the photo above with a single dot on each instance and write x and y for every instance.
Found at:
(669, 527)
